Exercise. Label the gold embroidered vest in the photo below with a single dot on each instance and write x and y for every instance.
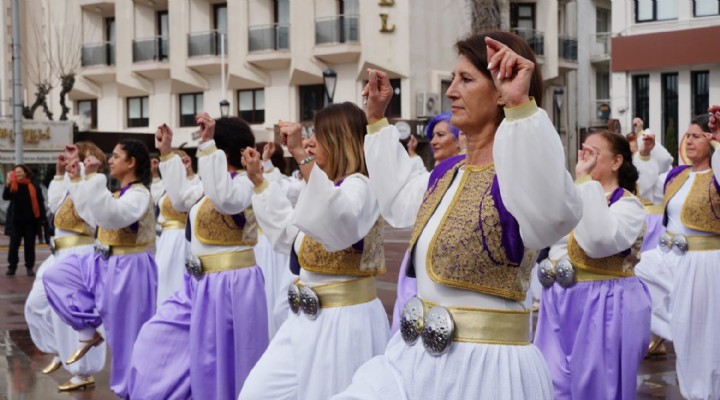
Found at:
(212, 227)
(170, 213)
(621, 264)
(368, 261)
(140, 233)
(67, 219)
(702, 203)
(466, 250)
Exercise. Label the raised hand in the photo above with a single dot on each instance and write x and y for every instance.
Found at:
(163, 139)
(92, 165)
(378, 93)
(187, 162)
(268, 151)
(253, 165)
(412, 146)
(291, 136)
(511, 73)
(71, 152)
(648, 144)
(73, 168)
(714, 122)
(61, 163)
(207, 126)
(587, 159)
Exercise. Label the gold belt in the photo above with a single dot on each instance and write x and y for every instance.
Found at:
(700, 243)
(654, 209)
(69, 241)
(479, 325)
(584, 275)
(173, 224)
(347, 293)
(227, 261)
(124, 250)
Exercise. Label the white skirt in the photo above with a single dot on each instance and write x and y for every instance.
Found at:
(276, 270)
(466, 371)
(657, 273)
(171, 249)
(49, 333)
(311, 360)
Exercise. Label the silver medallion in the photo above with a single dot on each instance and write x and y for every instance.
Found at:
(309, 302)
(665, 242)
(103, 250)
(294, 298)
(51, 245)
(679, 244)
(412, 321)
(564, 273)
(546, 273)
(193, 266)
(437, 334)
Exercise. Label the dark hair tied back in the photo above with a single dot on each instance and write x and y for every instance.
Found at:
(137, 149)
(619, 145)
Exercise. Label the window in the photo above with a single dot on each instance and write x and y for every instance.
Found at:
(670, 112)
(655, 10)
(251, 105)
(641, 97)
(88, 110)
(138, 112)
(163, 32)
(703, 8)
(394, 108)
(110, 39)
(445, 103)
(602, 22)
(602, 85)
(312, 99)
(522, 16)
(700, 92)
(190, 104)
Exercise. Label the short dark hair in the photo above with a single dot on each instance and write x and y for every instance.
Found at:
(28, 171)
(703, 121)
(232, 136)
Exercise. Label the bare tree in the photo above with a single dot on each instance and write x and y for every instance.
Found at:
(485, 15)
(39, 71)
(65, 52)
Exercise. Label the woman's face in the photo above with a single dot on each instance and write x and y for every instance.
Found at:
(443, 142)
(608, 164)
(697, 146)
(474, 98)
(20, 173)
(314, 149)
(120, 166)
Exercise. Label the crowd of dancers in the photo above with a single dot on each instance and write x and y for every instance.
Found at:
(262, 286)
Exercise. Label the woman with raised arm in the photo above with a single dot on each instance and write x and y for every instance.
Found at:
(74, 234)
(594, 323)
(205, 339)
(682, 273)
(477, 220)
(334, 235)
(115, 285)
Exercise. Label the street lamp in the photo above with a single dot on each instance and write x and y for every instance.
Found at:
(224, 108)
(329, 80)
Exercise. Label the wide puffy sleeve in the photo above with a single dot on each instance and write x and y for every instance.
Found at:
(183, 192)
(110, 212)
(534, 184)
(230, 195)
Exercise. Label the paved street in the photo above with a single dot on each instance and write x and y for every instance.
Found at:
(21, 361)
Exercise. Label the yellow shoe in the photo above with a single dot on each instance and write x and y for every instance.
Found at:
(656, 349)
(80, 353)
(52, 367)
(83, 383)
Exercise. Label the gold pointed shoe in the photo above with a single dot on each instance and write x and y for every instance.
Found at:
(656, 349)
(80, 353)
(52, 367)
(82, 384)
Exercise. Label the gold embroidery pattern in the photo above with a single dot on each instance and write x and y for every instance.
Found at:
(68, 219)
(370, 261)
(170, 213)
(463, 256)
(701, 205)
(126, 236)
(212, 227)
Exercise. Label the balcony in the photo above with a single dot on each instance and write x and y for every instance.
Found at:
(600, 47)
(337, 39)
(568, 49)
(601, 110)
(150, 57)
(535, 39)
(98, 61)
(204, 49)
(268, 46)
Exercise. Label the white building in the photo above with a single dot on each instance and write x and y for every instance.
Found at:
(665, 63)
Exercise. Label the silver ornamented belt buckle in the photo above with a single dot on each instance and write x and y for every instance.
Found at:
(309, 302)
(294, 298)
(412, 321)
(194, 266)
(677, 243)
(103, 249)
(52, 246)
(438, 331)
(665, 242)
(562, 272)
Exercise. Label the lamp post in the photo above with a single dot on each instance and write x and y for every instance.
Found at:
(330, 80)
(224, 108)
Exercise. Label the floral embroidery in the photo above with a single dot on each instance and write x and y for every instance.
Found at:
(169, 212)
(212, 227)
(67, 219)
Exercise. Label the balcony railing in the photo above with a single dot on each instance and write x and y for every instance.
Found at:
(206, 43)
(269, 37)
(98, 54)
(340, 29)
(568, 48)
(600, 45)
(151, 49)
(601, 110)
(535, 39)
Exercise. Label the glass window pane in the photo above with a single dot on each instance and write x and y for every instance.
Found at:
(134, 108)
(667, 9)
(84, 109)
(198, 103)
(187, 106)
(145, 107)
(245, 98)
(260, 99)
(706, 7)
(525, 11)
(351, 7)
(221, 19)
(644, 10)
(283, 17)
